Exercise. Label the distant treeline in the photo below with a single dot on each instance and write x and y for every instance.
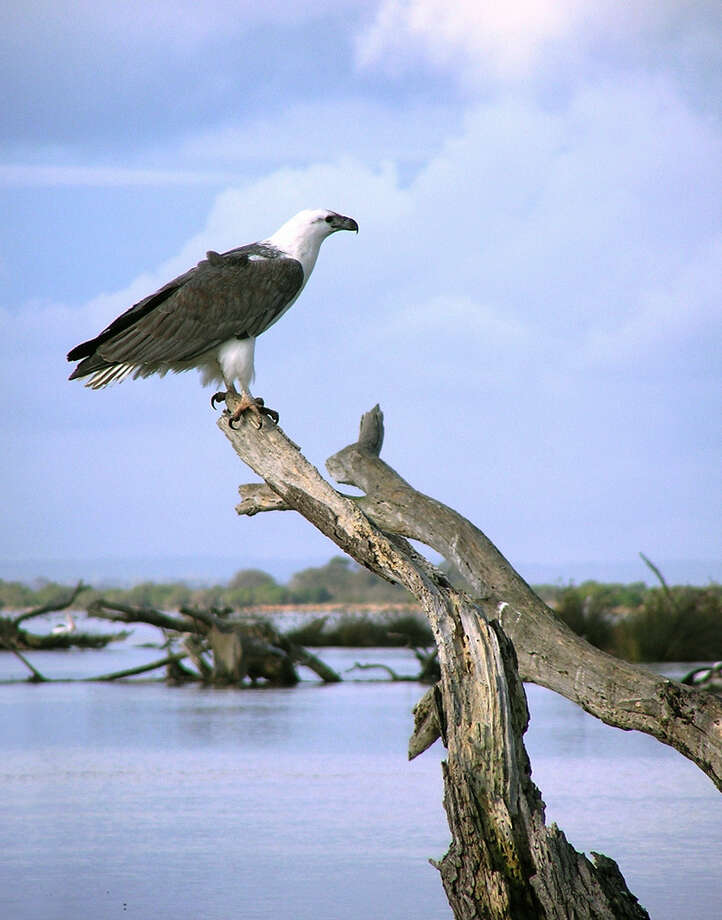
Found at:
(632, 621)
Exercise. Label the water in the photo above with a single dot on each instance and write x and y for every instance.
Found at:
(299, 804)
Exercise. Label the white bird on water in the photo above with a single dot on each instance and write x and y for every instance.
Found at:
(210, 317)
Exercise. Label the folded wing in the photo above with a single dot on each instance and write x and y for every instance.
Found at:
(237, 294)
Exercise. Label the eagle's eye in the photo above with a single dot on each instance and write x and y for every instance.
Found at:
(329, 218)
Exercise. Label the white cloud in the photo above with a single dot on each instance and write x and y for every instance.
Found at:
(475, 40)
(508, 293)
(577, 230)
(480, 36)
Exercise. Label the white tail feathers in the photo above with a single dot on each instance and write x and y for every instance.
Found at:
(112, 374)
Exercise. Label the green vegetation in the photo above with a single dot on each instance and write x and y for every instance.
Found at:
(681, 623)
(340, 581)
(353, 631)
(630, 621)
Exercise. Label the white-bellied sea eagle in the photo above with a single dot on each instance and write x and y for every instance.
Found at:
(210, 316)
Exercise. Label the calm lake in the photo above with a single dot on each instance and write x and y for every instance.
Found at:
(149, 801)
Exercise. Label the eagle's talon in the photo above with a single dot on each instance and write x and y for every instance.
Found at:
(220, 396)
(257, 408)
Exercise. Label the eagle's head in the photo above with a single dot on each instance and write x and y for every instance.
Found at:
(302, 235)
(321, 222)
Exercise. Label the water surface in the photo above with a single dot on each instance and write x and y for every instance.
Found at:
(188, 803)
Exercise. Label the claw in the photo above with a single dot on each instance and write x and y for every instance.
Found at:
(257, 418)
(257, 408)
(220, 396)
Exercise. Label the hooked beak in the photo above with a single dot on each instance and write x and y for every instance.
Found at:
(339, 222)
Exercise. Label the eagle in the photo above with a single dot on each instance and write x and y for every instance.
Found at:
(209, 317)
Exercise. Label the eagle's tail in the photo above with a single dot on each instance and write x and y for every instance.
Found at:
(101, 373)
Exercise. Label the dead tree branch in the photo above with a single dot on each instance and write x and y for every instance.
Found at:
(549, 653)
(393, 675)
(141, 669)
(237, 648)
(126, 613)
(37, 677)
(503, 862)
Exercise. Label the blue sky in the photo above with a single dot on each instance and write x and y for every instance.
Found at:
(533, 296)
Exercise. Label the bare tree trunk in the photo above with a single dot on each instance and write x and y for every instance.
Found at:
(503, 861)
(549, 653)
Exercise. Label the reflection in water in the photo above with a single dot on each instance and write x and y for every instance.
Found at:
(184, 803)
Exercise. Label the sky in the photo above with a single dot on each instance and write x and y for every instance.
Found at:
(533, 296)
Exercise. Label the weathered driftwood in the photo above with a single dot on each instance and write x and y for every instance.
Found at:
(503, 862)
(166, 662)
(237, 650)
(393, 675)
(35, 676)
(428, 674)
(549, 653)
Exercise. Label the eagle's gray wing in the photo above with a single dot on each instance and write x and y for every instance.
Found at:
(225, 296)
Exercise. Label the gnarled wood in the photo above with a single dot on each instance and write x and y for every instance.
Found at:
(503, 861)
(522, 868)
(238, 649)
(549, 653)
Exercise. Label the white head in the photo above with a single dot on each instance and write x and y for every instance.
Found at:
(302, 235)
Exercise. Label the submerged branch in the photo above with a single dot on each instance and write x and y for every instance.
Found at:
(141, 669)
(393, 675)
(37, 677)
